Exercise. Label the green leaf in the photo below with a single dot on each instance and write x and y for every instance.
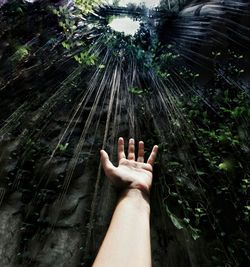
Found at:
(21, 53)
(66, 45)
(101, 66)
(62, 147)
(200, 173)
(174, 163)
(195, 233)
(178, 223)
(136, 90)
(227, 165)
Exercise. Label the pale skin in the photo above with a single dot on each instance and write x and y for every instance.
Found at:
(127, 242)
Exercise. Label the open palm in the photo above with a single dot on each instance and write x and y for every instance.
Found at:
(130, 173)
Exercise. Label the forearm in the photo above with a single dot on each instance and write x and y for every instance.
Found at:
(127, 242)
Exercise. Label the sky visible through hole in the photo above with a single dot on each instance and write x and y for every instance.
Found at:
(148, 3)
(125, 24)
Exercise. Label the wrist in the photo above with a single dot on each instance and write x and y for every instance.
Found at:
(137, 198)
(135, 193)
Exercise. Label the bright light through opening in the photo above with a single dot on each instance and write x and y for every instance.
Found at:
(148, 3)
(125, 24)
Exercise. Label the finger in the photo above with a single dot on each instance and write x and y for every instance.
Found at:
(131, 149)
(106, 163)
(121, 154)
(141, 152)
(153, 155)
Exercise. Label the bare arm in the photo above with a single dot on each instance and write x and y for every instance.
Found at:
(127, 242)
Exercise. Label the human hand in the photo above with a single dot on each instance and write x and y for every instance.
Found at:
(130, 174)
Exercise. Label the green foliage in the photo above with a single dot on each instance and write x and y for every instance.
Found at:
(176, 221)
(63, 147)
(209, 195)
(86, 6)
(136, 90)
(68, 20)
(110, 19)
(237, 112)
(168, 61)
(82, 7)
(116, 2)
(21, 53)
(183, 224)
(227, 165)
(86, 59)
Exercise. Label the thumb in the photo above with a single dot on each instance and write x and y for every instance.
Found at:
(106, 163)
